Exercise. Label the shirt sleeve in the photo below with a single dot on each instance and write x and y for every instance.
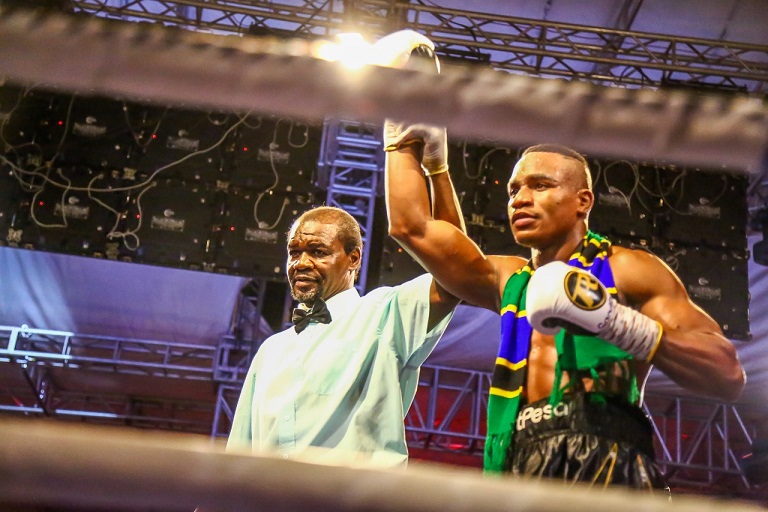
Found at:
(241, 434)
(410, 309)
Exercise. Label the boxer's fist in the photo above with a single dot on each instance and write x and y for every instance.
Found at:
(562, 296)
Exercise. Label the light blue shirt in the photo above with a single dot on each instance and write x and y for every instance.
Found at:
(346, 385)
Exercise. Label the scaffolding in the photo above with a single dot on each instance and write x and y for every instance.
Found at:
(512, 44)
(352, 164)
(699, 442)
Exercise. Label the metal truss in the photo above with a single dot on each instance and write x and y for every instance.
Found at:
(42, 397)
(298, 17)
(237, 348)
(36, 353)
(352, 161)
(233, 356)
(226, 402)
(700, 443)
(519, 45)
(597, 55)
(448, 413)
(27, 346)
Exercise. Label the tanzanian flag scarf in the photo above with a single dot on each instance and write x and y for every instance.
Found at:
(576, 353)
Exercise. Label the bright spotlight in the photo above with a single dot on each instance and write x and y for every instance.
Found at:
(350, 50)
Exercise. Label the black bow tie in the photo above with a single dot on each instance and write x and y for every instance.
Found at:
(318, 313)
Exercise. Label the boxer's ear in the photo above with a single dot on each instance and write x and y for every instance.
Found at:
(586, 200)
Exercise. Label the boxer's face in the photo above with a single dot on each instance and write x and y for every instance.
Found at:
(317, 264)
(546, 200)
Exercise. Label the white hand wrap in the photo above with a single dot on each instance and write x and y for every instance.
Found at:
(561, 296)
(394, 50)
(435, 157)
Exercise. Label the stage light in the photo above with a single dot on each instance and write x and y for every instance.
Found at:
(349, 49)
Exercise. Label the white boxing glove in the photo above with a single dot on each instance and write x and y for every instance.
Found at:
(562, 296)
(394, 50)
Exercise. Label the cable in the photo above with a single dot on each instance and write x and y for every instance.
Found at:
(453, 23)
(306, 135)
(151, 176)
(216, 122)
(130, 238)
(481, 163)
(464, 159)
(66, 130)
(34, 216)
(6, 119)
(722, 191)
(137, 137)
(263, 224)
(663, 194)
(63, 203)
(597, 171)
(272, 147)
(9, 148)
(484, 158)
(132, 232)
(20, 173)
(254, 127)
(240, 25)
(615, 190)
(104, 205)
(20, 170)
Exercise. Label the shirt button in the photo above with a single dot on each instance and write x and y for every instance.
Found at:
(287, 418)
(285, 455)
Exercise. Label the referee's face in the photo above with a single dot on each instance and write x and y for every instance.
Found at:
(317, 264)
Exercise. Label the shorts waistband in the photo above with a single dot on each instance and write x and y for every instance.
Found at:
(583, 413)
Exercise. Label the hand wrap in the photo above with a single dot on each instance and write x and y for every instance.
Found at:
(435, 157)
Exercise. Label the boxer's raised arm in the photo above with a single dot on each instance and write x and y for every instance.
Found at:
(441, 247)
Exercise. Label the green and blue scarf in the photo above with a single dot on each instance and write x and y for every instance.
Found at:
(576, 353)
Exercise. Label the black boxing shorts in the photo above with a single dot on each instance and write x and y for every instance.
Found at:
(583, 440)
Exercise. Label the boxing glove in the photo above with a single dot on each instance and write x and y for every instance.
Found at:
(561, 296)
(396, 50)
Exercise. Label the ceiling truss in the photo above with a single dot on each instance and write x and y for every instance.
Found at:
(518, 45)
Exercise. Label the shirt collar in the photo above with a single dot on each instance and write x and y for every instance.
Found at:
(342, 302)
